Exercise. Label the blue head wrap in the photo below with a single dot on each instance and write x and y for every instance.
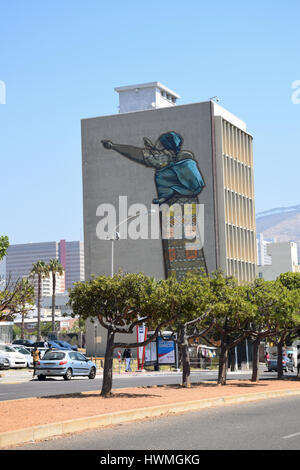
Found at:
(171, 141)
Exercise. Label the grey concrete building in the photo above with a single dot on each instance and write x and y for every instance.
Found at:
(283, 258)
(212, 162)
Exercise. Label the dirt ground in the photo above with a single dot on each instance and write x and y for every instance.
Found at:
(28, 412)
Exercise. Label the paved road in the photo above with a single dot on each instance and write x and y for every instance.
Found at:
(55, 386)
(263, 425)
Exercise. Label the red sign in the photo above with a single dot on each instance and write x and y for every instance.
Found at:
(141, 333)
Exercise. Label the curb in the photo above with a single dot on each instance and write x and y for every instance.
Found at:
(36, 433)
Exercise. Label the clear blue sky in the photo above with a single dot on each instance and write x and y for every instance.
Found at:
(61, 60)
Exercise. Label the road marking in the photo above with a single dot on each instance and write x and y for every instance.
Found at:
(291, 435)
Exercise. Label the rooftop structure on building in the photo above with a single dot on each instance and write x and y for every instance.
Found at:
(145, 96)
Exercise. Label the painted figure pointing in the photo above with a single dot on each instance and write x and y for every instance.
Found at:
(176, 171)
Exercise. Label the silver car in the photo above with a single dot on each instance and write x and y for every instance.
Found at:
(66, 364)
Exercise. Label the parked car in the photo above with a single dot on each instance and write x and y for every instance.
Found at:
(287, 365)
(57, 345)
(52, 344)
(4, 363)
(23, 342)
(67, 345)
(26, 352)
(66, 364)
(15, 358)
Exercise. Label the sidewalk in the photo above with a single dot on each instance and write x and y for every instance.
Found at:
(38, 418)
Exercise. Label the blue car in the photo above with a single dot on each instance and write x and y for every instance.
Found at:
(67, 345)
(287, 365)
(52, 344)
(66, 364)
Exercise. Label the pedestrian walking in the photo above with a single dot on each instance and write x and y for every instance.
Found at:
(298, 360)
(36, 355)
(46, 345)
(127, 355)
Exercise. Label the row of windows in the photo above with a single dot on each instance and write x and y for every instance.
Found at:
(242, 271)
(238, 177)
(239, 210)
(167, 96)
(240, 244)
(237, 143)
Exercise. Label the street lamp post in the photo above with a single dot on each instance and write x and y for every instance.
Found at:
(116, 235)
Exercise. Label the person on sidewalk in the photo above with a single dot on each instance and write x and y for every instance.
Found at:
(127, 355)
(36, 356)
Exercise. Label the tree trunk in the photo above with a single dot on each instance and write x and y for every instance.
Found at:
(39, 308)
(279, 360)
(53, 301)
(108, 365)
(23, 325)
(255, 363)
(223, 364)
(185, 358)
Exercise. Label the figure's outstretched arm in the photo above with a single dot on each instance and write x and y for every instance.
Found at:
(129, 151)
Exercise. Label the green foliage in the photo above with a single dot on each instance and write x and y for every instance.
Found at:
(78, 326)
(16, 332)
(40, 269)
(15, 298)
(24, 298)
(231, 305)
(196, 297)
(120, 301)
(290, 280)
(55, 267)
(46, 328)
(4, 244)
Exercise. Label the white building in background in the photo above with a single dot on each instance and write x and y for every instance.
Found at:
(263, 258)
(61, 306)
(284, 258)
(20, 258)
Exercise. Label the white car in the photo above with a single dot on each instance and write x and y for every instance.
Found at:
(22, 350)
(15, 358)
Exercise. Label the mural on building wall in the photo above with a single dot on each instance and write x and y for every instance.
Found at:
(176, 171)
(178, 180)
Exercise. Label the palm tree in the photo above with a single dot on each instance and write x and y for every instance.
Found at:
(25, 300)
(39, 270)
(55, 268)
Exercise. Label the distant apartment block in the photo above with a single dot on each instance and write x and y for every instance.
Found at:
(20, 258)
(263, 258)
(284, 258)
